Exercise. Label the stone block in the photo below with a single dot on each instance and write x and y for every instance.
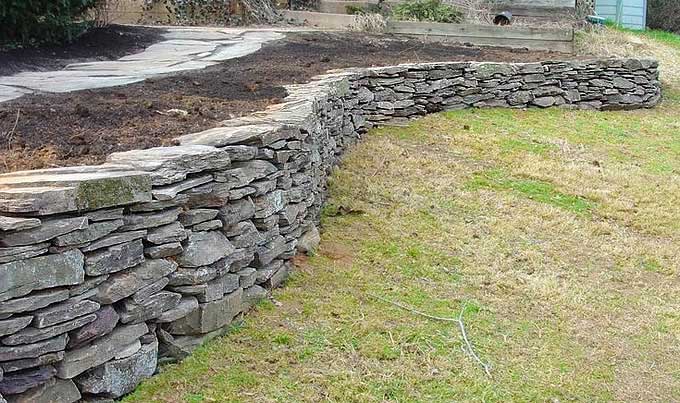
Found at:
(33, 350)
(53, 391)
(204, 248)
(33, 335)
(93, 232)
(153, 307)
(209, 316)
(105, 321)
(114, 259)
(123, 284)
(18, 382)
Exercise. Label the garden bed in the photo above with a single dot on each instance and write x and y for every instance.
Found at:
(82, 127)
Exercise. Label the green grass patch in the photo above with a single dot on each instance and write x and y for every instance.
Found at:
(538, 191)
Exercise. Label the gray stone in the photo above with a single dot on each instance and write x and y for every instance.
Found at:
(115, 239)
(192, 276)
(32, 335)
(237, 211)
(172, 164)
(278, 278)
(268, 204)
(620, 82)
(119, 377)
(210, 195)
(520, 98)
(309, 241)
(253, 295)
(89, 284)
(54, 390)
(18, 365)
(247, 277)
(64, 311)
(544, 102)
(204, 248)
(93, 232)
(106, 320)
(241, 153)
(186, 306)
(268, 252)
(242, 173)
(14, 324)
(208, 226)
(210, 316)
(197, 216)
(149, 220)
(21, 277)
(18, 382)
(52, 191)
(99, 351)
(265, 272)
(48, 229)
(34, 301)
(22, 252)
(115, 213)
(246, 235)
(33, 350)
(166, 250)
(18, 223)
(156, 205)
(114, 259)
(251, 134)
(169, 192)
(145, 293)
(123, 284)
(173, 232)
(153, 307)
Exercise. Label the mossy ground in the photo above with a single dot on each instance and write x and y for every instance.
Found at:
(556, 232)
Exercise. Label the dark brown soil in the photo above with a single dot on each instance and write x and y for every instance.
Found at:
(109, 43)
(83, 127)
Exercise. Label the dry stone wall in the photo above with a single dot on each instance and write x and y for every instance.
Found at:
(106, 271)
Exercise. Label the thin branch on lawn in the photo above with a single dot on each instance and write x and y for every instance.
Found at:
(461, 325)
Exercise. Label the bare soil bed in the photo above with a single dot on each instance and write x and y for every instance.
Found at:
(50, 130)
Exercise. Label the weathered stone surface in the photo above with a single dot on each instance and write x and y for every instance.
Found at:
(169, 192)
(268, 204)
(33, 350)
(242, 173)
(48, 229)
(241, 153)
(14, 324)
(123, 284)
(18, 223)
(108, 214)
(244, 235)
(115, 258)
(265, 272)
(153, 307)
(34, 301)
(210, 195)
(247, 277)
(13, 253)
(93, 232)
(172, 164)
(99, 351)
(237, 211)
(18, 382)
(119, 377)
(265, 254)
(208, 226)
(51, 191)
(173, 232)
(33, 335)
(165, 250)
(115, 239)
(64, 311)
(197, 216)
(309, 241)
(186, 306)
(54, 390)
(105, 321)
(251, 134)
(145, 293)
(149, 220)
(23, 276)
(87, 285)
(253, 295)
(210, 316)
(204, 248)
(192, 276)
(18, 365)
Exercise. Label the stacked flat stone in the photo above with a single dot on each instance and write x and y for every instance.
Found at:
(106, 270)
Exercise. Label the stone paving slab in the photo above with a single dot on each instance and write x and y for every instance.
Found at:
(183, 49)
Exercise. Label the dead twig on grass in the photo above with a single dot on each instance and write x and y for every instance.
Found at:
(459, 320)
(10, 134)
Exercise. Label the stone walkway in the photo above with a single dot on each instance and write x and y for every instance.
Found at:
(182, 49)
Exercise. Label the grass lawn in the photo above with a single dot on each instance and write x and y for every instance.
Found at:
(554, 234)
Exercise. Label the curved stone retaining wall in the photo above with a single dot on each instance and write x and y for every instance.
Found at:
(105, 270)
